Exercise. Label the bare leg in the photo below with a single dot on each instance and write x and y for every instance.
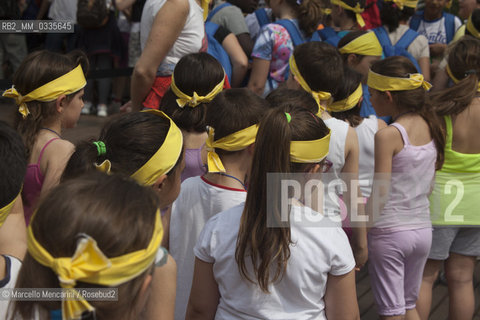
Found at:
(430, 274)
(412, 314)
(459, 273)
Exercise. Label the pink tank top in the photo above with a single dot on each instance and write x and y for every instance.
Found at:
(32, 184)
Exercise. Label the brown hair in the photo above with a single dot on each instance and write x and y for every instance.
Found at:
(351, 80)
(320, 65)
(464, 62)
(349, 37)
(309, 14)
(196, 72)
(130, 139)
(269, 248)
(37, 69)
(117, 212)
(415, 100)
(282, 97)
(353, 3)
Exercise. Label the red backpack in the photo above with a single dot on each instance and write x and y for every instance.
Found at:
(371, 15)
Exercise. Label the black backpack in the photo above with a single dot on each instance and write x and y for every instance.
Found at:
(9, 10)
(92, 14)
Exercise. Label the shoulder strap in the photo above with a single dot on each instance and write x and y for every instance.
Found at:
(449, 133)
(293, 31)
(218, 8)
(44, 147)
(416, 19)
(449, 26)
(403, 133)
(407, 39)
(384, 40)
(262, 17)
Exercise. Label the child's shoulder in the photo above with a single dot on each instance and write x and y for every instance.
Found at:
(57, 151)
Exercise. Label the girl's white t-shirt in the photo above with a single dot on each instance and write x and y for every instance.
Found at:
(317, 252)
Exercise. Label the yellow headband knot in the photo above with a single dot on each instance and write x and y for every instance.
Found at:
(166, 156)
(405, 3)
(5, 211)
(366, 45)
(195, 100)
(357, 10)
(348, 103)
(455, 80)
(312, 151)
(471, 28)
(386, 83)
(67, 84)
(233, 142)
(90, 265)
(317, 95)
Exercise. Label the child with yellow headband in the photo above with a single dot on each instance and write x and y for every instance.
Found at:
(48, 90)
(240, 255)
(456, 236)
(407, 153)
(196, 80)
(13, 165)
(74, 244)
(148, 147)
(317, 68)
(232, 119)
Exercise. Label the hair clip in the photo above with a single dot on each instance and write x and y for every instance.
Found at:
(289, 117)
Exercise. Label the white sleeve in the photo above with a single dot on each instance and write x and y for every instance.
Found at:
(205, 243)
(342, 261)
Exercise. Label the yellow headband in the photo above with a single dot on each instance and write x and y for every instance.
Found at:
(366, 45)
(357, 10)
(90, 265)
(312, 151)
(471, 28)
(233, 142)
(348, 103)
(385, 83)
(450, 74)
(405, 3)
(5, 211)
(317, 95)
(166, 156)
(69, 83)
(194, 100)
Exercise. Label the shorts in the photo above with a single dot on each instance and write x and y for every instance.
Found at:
(395, 264)
(460, 240)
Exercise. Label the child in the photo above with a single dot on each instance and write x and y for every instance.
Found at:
(456, 237)
(317, 68)
(232, 118)
(101, 259)
(405, 156)
(275, 44)
(148, 147)
(196, 80)
(247, 268)
(13, 242)
(48, 88)
(346, 15)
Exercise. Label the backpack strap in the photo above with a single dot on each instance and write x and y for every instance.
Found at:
(218, 8)
(262, 17)
(449, 26)
(407, 39)
(293, 31)
(416, 19)
(384, 40)
(329, 35)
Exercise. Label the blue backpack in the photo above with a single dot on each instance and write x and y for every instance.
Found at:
(400, 48)
(330, 36)
(295, 34)
(262, 17)
(215, 48)
(449, 23)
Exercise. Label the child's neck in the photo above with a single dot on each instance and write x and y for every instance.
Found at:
(54, 127)
(236, 169)
(347, 24)
(287, 13)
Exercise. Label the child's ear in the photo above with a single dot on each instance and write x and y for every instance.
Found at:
(61, 103)
(388, 96)
(159, 185)
(352, 59)
(251, 148)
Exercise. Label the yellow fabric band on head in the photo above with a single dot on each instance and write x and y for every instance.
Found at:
(195, 100)
(357, 10)
(312, 151)
(471, 28)
(348, 103)
(366, 45)
(166, 156)
(384, 83)
(5, 211)
(405, 3)
(455, 80)
(233, 142)
(67, 84)
(317, 95)
(90, 265)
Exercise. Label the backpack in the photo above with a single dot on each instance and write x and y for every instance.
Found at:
(216, 49)
(449, 23)
(371, 15)
(218, 8)
(92, 14)
(329, 35)
(262, 17)
(295, 34)
(9, 10)
(400, 48)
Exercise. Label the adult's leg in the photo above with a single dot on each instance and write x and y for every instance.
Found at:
(459, 273)
(430, 275)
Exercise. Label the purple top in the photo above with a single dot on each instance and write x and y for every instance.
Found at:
(193, 164)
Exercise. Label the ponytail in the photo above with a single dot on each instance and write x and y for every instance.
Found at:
(310, 14)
